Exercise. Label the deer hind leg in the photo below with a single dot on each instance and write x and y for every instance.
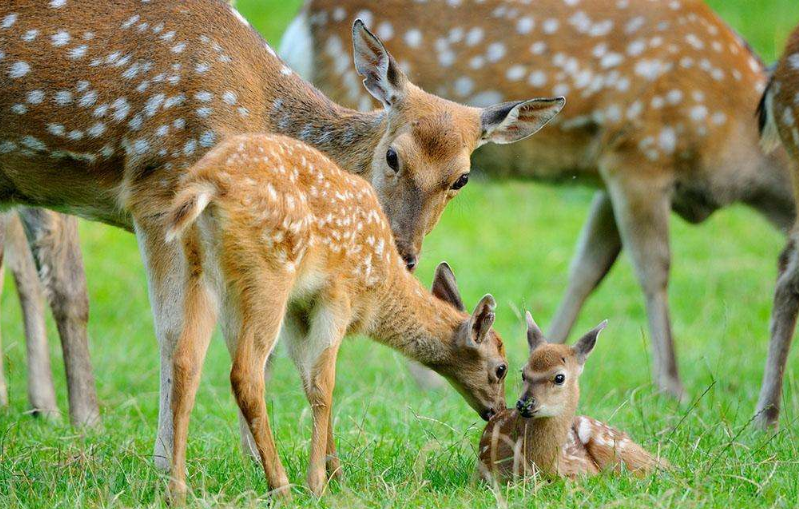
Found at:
(315, 356)
(53, 239)
(41, 392)
(642, 204)
(597, 250)
(783, 325)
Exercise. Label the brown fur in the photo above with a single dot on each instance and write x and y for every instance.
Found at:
(543, 435)
(287, 234)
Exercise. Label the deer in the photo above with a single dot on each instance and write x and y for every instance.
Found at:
(658, 117)
(543, 435)
(42, 250)
(779, 130)
(282, 238)
(151, 87)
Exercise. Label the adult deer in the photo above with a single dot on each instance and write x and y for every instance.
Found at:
(42, 251)
(779, 112)
(105, 109)
(659, 116)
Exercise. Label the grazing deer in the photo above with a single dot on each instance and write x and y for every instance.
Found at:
(41, 248)
(779, 112)
(274, 229)
(543, 434)
(103, 111)
(659, 116)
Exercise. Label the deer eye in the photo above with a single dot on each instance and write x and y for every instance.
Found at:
(392, 159)
(559, 379)
(501, 370)
(462, 181)
(524, 377)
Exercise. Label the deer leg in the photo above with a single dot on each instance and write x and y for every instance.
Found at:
(3, 387)
(783, 325)
(53, 239)
(642, 206)
(598, 248)
(199, 318)
(41, 392)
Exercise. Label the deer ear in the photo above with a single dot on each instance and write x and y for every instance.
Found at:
(535, 337)
(586, 344)
(514, 121)
(445, 287)
(482, 319)
(382, 76)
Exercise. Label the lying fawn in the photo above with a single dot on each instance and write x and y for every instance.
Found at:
(543, 434)
(104, 109)
(779, 112)
(660, 116)
(42, 251)
(281, 236)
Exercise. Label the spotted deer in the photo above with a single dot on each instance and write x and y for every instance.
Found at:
(543, 435)
(282, 237)
(660, 116)
(779, 112)
(104, 110)
(42, 251)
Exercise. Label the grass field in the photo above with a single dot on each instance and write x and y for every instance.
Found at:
(404, 448)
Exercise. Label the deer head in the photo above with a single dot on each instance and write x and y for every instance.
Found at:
(423, 159)
(551, 376)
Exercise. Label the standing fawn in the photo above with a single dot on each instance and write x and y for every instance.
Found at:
(660, 116)
(104, 109)
(543, 434)
(42, 251)
(779, 111)
(277, 234)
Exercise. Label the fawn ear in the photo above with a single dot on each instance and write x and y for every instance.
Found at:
(514, 121)
(535, 337)
(445, 287)
(482, 319)
(382, 76)
(586, 344)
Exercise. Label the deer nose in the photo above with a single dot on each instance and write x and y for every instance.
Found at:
(525, 406)
(411, 260)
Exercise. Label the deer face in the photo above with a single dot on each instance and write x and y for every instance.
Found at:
(551, 376)
(423, 160)
(476, 366)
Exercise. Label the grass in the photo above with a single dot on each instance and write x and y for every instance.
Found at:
(405, 448)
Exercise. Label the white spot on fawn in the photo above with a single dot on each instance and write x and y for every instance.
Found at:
(19, 69)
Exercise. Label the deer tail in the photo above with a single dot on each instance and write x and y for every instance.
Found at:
(187, 207)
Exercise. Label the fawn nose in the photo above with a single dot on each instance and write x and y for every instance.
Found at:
(488, 414)
(410, 261)
(525, 406)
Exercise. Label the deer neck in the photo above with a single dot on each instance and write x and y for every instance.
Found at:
(297, 109)
(545, 437)
(411, 320)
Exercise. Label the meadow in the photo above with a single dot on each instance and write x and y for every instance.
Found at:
(401, 447)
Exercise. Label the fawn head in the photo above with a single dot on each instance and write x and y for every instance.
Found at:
(423, 160)
(551, 375)
(477, 366)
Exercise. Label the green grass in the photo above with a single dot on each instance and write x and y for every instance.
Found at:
(404, 448)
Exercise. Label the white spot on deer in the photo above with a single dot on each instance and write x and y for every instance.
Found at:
(477, 62)
(136, 122)
(131, 21)
(63, 97)
(9, 20)
(153, 104)
(635, 110)
(204, 112)
(674, 97)
(464, 86)
(635, 24)
(174, 100)
(78, 52)
(446, 58)
(339, 14)
(636, 47)
(75, 135)
(202, 68)
(550, 26)
(179, 47)
(7, 146)
(719, 118)
(525, 25)
(61, 38)
(694, 41)
(18, 70)
(561, 89)
(650, 69)
(658, 102)
(204, 96)
(538, 48)
(30, 35)
(19, 109)
(168, 36)
(537, 78)
(141, 146)
(179, 123)
(162, 131)
(96, 130)
(385, 30)
(516, 72)
(56, 4)
(698, 113)
(56, 129)
(495, 52)
(474, 36)
(190, 147)
(207, 139)
(88, 99)
(668, 140)
(121, 109)
(611, 60)
(413, 38)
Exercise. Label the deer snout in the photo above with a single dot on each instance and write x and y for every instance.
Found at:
(411, 260)
(409, 254)
(526, 407)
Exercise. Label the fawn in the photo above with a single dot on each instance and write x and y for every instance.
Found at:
(282, 237)
(104, 109)
(660, 116)
(543, 434)
(779, 112)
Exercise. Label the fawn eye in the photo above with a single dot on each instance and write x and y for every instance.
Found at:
(501, 370)
(559, 379)
(462, 181)
(392, 159)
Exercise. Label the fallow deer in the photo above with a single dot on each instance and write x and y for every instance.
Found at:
(779, 111)
(280, 235)
(105, 107)
(543, 434)
(43, 252)
(660, 115)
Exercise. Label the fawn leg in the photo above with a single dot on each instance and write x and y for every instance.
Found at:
(41, 392)
(597, 250)
(642, 205)
(783, 325)
(53, 239)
